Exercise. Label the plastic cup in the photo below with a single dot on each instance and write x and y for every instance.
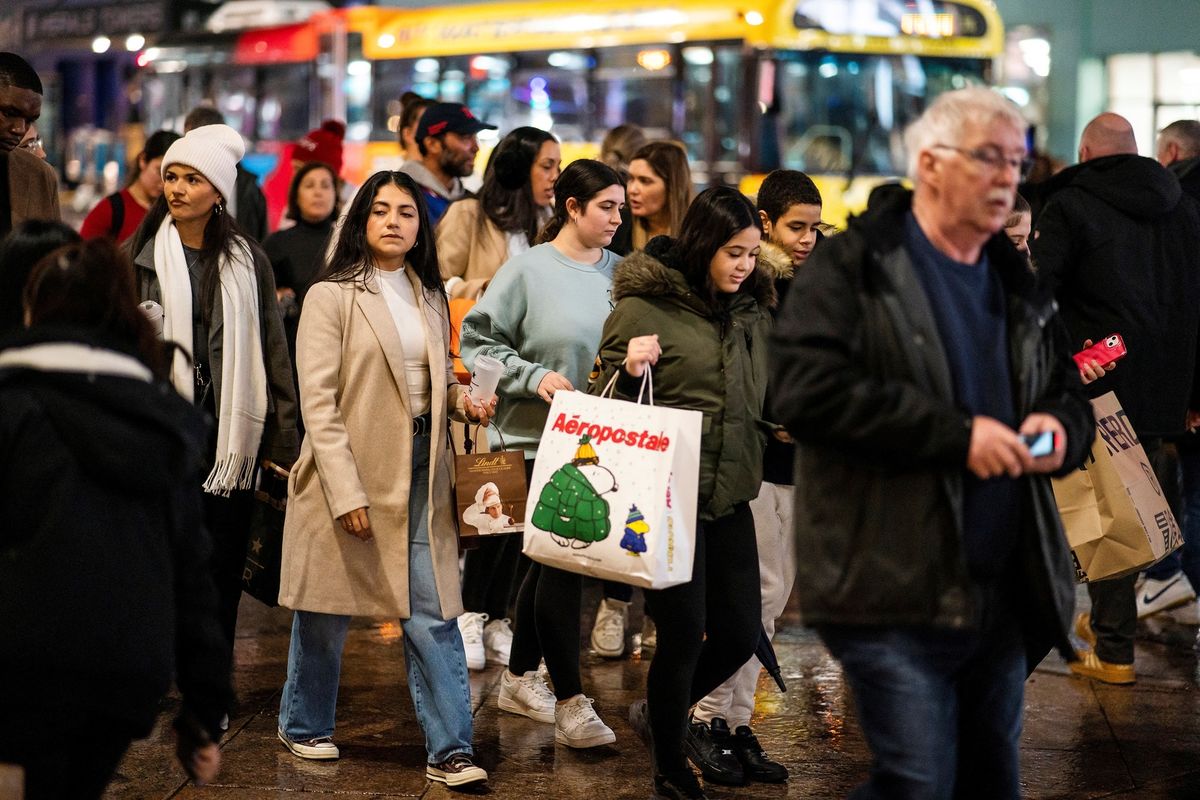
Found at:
(154, 313)
(484, 378)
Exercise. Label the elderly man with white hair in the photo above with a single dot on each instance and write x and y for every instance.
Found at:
(914, 360)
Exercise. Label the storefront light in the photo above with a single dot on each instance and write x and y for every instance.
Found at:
(386, 40)
(135, 42)
(101, 44)
(754, 18)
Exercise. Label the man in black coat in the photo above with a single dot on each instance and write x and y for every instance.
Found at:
(1118, 246)
(912, 354)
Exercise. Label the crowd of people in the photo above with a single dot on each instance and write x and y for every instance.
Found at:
(867, 395)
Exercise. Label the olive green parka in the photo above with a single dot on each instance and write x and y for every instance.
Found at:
(714, 360)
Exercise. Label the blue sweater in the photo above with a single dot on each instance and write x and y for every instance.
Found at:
(969, 309)
(541, 313)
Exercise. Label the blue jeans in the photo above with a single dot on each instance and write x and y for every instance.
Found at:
(1187, 557)
(940, 709)
(433, 649)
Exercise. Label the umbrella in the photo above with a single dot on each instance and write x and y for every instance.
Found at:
(766, 655)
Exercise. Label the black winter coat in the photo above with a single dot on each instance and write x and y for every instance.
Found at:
(105, 593)
(1118, 246)
(865, 389)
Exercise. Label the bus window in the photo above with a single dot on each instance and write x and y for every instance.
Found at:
(712, 92)
(636, 85)
(283, 113)
(846, 113)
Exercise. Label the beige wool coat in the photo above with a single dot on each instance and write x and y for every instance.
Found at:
(357, 452)
(467, 250)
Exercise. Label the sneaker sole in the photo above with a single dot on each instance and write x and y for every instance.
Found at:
(467, 778)
(583, 744)
(495, 657)
(309, 753)
(1084, 672)
(512, 708)
(1158, 608)
(600, 651)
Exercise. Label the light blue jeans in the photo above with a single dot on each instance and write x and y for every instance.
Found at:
(433, 650)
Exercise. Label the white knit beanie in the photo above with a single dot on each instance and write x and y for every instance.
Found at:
(212, 150)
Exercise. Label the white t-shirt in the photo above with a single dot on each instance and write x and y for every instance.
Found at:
(402, 302)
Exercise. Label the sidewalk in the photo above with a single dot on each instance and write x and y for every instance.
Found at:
(1081, 740)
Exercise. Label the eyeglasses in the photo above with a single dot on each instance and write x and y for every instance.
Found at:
(991, 156)
(32, 145)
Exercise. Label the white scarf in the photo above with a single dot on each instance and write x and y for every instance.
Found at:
(242, 407)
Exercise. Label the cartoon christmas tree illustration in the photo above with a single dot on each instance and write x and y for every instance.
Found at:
(569, 507)
(634, 540)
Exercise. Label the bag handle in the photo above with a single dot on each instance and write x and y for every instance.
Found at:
(647, 382)
(472, 444)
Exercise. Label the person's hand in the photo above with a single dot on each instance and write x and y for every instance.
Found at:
(283, 292)
(996, 450)
(1092, 371)
(479, 412)
(641, 352)
(1040, 423)
(202, 764)
(1193, 420)
(356, 523)
(782, 435)
(551, 383)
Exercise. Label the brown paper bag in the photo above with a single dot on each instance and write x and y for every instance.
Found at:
(1113, 509)
(490, 493)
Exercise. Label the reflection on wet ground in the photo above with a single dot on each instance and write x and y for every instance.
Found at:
(1081, 739)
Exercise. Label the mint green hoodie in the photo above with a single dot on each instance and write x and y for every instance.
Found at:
(541, 313)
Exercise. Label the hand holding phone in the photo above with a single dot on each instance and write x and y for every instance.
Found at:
(1040, 444)
(1104, 354)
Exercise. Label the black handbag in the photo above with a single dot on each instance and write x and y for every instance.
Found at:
(264, 551)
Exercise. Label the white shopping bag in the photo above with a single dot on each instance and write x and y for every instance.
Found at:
(614, 490)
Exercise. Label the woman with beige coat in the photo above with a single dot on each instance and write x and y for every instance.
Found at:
(370, 528)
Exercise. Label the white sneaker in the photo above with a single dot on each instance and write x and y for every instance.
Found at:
(497, 641)
(1155, 596)
(320, 749)
(608, 632)
(649, 634)
(577, 725)
(527, 695)
(470, 625)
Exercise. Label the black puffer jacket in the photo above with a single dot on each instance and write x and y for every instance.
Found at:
(105, 593)
(1118, 245)
(865, 389)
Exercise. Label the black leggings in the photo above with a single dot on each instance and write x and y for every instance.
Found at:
(548, 626)
(707, 629)
(490, 574)
(228, 522)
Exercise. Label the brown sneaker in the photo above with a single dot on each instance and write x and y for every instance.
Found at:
(1083, 629)
(1089, 666)
(456, 771)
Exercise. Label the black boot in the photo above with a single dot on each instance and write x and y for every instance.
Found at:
(756, 765)
(709, 748)
(678, 785)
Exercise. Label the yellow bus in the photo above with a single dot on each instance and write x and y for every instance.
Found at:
(824, 86)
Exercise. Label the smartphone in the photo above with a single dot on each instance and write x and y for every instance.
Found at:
(1105, 352)
(1040, 444)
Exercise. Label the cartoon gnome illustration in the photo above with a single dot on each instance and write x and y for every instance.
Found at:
(569, 507)
(634, 540)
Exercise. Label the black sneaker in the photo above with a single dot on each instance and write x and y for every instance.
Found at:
(456, 771)
(756, 765)
(678, 786)
(709, 748)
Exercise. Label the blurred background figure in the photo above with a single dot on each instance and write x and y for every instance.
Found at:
(659, 191)
(478, 234)
(247, 203)
(33, 142)
(412, 107)
(113, 550)
(19, 251)
(118, 215)
(1019, 224)
(617, 149)
(28, 185)
(447, 143)
(323, 145)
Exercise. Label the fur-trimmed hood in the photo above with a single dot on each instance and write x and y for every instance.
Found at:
(656, 272)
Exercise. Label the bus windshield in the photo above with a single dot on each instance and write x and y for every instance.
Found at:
(845, 113)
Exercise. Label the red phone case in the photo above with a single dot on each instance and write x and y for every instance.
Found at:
(1105, 352)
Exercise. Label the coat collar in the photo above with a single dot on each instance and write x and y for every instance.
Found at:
(23, 203)
(375, 308)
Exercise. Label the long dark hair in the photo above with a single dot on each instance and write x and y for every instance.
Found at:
(156, 147)
(20, 250)
(90, 285)
(506, 197)
(222, 237)
(293, 202)
(582, 180)
(352, 259)
(714, 217)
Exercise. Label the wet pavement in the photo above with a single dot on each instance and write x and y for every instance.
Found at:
(1082, 739)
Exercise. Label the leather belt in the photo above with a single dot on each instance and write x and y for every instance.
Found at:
(423, 424)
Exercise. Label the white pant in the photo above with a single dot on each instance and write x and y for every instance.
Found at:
(734, 699)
